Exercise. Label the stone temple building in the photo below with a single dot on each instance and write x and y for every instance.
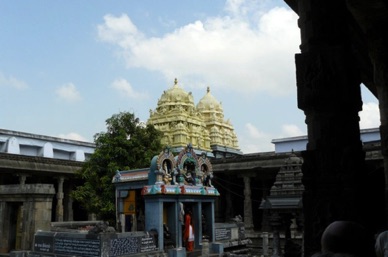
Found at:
(203, 125)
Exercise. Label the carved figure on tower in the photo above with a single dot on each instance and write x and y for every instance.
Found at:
(206, 170)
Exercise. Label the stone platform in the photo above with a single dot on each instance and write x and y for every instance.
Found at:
(66, 244)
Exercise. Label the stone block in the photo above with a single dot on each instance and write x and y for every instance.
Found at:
(217, 248)
(177, 252)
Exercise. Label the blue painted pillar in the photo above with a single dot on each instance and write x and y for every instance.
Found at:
(197, 220)
(154, 218)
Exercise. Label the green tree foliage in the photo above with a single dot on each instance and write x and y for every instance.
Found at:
(126, 145)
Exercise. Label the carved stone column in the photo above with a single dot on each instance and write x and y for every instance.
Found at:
(4, 227)
(275, 224)
(265, 226)
(379, 56)
(59, 209)
(373, 26)
(248, 221)
(264, 237)
(68, 213)
(328, 85)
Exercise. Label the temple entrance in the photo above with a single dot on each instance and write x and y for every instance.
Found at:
(169, 233)
(11, 228)
(188, 228)
(15, 225)
(34, 199)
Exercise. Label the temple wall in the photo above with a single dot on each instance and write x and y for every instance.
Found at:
(24, 209)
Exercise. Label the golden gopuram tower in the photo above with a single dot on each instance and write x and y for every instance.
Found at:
(202, 125)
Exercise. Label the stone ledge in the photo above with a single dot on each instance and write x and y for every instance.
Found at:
(27, 189)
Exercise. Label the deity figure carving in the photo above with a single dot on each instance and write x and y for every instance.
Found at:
(167, 176)
(166, 167)
(189, 174)
(206, 172)
(207, 177)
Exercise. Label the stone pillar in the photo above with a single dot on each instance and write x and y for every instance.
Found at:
(248, 221)
(28, 224)
(374, 27)
(154, 218)
(264, 237)
(300, 225)
(329, 93)
(205, 248)
(3, 227)
(197, 221)
(59, 209)
(265, 226)
(275, 224)
(68, 205)
(379, 56)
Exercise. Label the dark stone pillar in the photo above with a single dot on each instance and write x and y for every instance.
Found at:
(276, 224)
(68, 214)
(383, 99)
(329, 94)
(265, 226)
(4, 227)
(248, 217)
(59, 209)
(378, 41)
(373, 23)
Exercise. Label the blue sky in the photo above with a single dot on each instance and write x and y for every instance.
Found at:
(67, 66)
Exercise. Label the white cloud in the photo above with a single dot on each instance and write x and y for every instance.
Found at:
(236, 7)
(369, 116)
(73, 136)
(235, 51)
(125, 88)
(253, 132)
(119, 30)
(243, 8)
(68, 92)
(12, 82)
(253, 140)
(291, 130)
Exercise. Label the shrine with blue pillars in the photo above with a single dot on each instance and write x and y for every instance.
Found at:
(176, 186)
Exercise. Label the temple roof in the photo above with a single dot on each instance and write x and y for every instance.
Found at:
(182, 122)
(176, 96)
(209, 103)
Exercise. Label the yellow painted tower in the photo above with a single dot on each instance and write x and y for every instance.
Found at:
(203, 125)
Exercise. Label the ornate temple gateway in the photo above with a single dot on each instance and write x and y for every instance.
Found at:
(203, 125)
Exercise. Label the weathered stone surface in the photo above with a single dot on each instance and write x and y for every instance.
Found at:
(94, 245)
